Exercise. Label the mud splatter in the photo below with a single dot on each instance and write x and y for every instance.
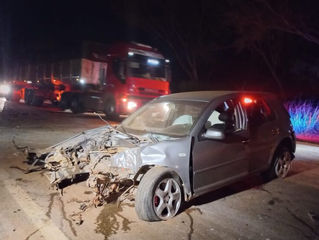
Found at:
(191, 224)
(88, 192)
(110, 221)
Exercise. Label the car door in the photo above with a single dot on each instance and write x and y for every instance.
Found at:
(218, 162)
(264, 131)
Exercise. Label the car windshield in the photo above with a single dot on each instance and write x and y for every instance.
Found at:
(146, 67)
(171, 118)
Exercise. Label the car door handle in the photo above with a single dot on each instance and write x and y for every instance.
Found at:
(275, 131)
(245, 141)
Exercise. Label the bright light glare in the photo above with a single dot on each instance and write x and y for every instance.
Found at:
(2, 103)
(131, 105)
(5, 89)
(167, 60)
(82, 81)
(124, 99)
(152, 61)
(247, 100)
(130, 53)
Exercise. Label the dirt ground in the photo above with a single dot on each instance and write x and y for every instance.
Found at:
(30, 209)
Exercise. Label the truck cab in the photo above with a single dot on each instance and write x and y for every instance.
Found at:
(131, 75)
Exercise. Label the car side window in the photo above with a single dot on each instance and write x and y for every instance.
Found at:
(228, 116)
(259, 111)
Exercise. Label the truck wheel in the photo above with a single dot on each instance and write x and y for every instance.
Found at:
(76, 106)
(27, 97)
(110, 110)
(36, 101)
(159, 195)
(281, 164)
(16, 98)
(65, 102)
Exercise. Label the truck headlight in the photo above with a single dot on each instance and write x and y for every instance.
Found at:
(5, 89)
(131, 105)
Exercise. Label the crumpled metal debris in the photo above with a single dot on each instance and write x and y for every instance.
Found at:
(108, 155)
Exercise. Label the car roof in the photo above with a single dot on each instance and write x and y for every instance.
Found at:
(207, 96)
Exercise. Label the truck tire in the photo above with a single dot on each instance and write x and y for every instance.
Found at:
(36, 101)
(76, 106)
(110, 109)
(65, 102)
(28, 97)
(159, 195)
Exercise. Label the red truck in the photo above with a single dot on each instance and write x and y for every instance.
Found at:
(118, 82)
(115, 80)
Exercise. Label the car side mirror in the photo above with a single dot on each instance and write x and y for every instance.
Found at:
(214, 133)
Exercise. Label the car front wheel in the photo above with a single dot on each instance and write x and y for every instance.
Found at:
(159, 195)
(281, 164)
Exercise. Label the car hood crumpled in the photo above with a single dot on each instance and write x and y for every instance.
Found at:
(97, 151)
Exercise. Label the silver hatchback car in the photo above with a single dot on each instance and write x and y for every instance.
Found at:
(204, 141)
(178, 147)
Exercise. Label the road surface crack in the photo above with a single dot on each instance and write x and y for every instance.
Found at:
(66, 219)
(303, 222)
(31, 234)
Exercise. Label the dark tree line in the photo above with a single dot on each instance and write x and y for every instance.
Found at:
(199, 32)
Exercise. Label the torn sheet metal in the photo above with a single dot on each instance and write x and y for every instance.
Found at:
(112, 159)
(108, 155)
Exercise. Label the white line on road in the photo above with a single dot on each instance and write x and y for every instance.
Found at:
(34, 212)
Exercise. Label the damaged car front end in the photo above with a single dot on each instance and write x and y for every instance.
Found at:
(116, 159)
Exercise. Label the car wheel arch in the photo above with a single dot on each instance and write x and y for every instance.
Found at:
(145, 168)
(285, 142)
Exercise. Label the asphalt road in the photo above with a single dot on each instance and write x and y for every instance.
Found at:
(250, 209)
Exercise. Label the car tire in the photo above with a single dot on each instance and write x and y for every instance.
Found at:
(159, 195)
(76, 106)
(281, 164)
(110, 109)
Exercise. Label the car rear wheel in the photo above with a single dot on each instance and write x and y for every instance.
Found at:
(281, 164)
(159, 195)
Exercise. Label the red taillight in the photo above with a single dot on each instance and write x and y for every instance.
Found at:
(124, 99)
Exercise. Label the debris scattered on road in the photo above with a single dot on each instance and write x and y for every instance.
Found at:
(77, 219)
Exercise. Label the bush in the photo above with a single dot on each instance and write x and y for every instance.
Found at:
(304, 117)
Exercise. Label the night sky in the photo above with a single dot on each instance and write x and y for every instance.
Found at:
(33, 28)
